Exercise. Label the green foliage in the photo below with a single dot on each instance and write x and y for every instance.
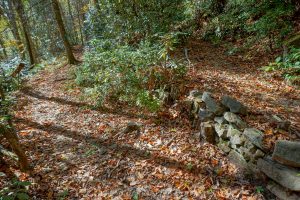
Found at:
(16, 190)
(257, 20)
(132, 21)
(289, 66)
(127, 74)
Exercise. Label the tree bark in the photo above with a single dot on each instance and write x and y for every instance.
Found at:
(74, 33)
(62, 32)
(11, 17)
(9, 133)
(3, 49)
(13, 140)
(80, 24)
(29, 44)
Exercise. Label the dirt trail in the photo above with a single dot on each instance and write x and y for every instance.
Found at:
(75, 151)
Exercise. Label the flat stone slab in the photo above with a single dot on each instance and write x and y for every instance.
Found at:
(238, 160)
(285, 176)
(287, 153)
(235, 119)
(281, 192)
(211, 104)
(255, 136)
(234, 105)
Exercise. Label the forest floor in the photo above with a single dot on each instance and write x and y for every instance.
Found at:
(78, 152)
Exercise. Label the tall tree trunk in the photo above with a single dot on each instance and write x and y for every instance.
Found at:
(62, 31)
(29, 44)
(15, 30)
(80, 23)
(74, 34)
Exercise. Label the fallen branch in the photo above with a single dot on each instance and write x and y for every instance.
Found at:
(109, 174)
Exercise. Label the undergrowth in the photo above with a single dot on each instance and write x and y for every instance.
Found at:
(289, 66)
(139, 76)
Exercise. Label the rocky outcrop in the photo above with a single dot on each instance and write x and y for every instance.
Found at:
(287, 153)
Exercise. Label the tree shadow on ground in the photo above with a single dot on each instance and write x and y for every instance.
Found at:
(125, 150)
(31, 92)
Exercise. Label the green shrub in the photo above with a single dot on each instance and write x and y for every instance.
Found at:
(16, 190)
(121, 72)
(289, 65)
(251, 19)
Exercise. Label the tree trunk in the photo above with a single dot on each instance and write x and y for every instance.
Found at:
(8, 132)
(62, 32)
(30, 48)
(3, 49)
(13, 140)
(15, 30)
(74, 34)
(80, 24)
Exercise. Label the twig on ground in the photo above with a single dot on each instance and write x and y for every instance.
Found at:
(117, 165)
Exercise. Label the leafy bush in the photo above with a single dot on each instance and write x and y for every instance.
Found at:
(132, 21)
(258, 20)
(17, 190)
(127, 74)
(289, 66)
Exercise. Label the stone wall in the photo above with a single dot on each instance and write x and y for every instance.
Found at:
(221, 123)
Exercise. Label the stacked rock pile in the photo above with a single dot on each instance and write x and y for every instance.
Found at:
(221, 123)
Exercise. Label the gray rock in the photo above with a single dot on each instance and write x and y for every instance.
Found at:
(220, 120)
(232, 130)
(287, 153)
(195, 93)
(205, 115)
(211, 104)
(251, 148)
(237, 140)
(234, 105)
(281, 192)
(221, 130)
(255, 136)
(246, 153)
(280, 123)
(285, 176)
(253, 168)
(197, 104)
(207, 131)
(238, 159)
(235, 119)
(258, 154)
(224, 146)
